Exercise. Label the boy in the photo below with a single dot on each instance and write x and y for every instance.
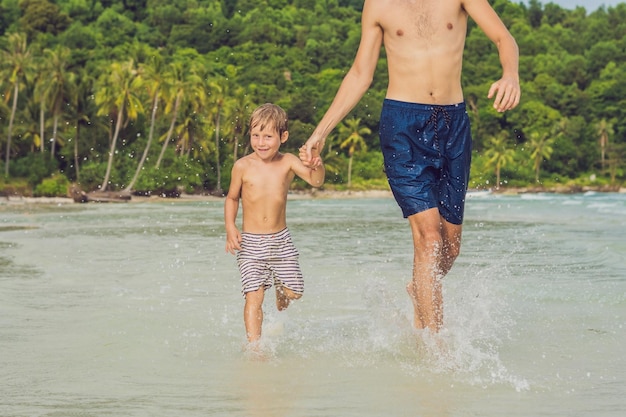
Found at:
(266, 255)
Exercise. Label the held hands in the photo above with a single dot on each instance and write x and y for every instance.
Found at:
(507, 94)
(310, 153)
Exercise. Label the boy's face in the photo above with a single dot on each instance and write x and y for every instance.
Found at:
(266, 142)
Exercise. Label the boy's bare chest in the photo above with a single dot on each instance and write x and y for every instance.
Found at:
(262, 181)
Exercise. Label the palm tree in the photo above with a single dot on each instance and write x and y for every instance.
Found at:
(154, 78)
(217, 101)
(191, 129)
(79, 110)
(181, 82)
(354, 140)
(604, 130)
(40, 98)
(541, 149)
(186, 128)
(117, 93)
(241, 105)
(499, 154)
(616, 154)
(16, 59)
(4, 108)
(28, 129)
(55, 86)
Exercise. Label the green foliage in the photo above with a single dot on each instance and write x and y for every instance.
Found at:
(5, 19)
(41, 16)
(187, 176)
(91, 175)
(114, 28)
(85, 11)
(34, 167)
(16, 187)
(79, 38)
(55, 186)
(294, 53)
(369, 166)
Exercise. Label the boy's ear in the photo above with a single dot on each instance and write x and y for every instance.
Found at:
(284, 137)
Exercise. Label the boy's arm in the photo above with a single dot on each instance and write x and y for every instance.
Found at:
(231, 206)
(506, 89)
(313, 176)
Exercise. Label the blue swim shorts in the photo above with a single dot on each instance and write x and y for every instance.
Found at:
(427, 151)
(269, 259)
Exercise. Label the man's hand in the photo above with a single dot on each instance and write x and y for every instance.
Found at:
(310, 152)
(507, 94)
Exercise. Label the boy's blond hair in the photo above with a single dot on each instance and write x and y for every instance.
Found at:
(269, 115)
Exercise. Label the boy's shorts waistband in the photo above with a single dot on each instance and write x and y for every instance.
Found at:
(278, 234)
(424, 107)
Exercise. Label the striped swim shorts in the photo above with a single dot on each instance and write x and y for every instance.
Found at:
(266, 260)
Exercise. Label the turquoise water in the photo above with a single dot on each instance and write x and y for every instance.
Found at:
(135, 310)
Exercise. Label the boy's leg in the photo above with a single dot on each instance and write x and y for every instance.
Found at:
(284, 296)
(288, 281)
(253, 314)
(436, 243)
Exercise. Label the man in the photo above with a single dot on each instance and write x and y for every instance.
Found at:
(424, 128)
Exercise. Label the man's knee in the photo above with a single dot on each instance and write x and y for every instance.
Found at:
(427, 239)
(426, 226)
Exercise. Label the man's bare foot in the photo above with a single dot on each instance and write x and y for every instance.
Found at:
(282, 301)
(254, 351)
(417, 320)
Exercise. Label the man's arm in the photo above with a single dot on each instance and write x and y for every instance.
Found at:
(506, 89)
(355, 83)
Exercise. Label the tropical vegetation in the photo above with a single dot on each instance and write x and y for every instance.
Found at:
(152, 97)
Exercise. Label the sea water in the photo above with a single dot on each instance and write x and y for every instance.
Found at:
(135, 310)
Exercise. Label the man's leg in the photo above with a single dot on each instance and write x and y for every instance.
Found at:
(436, 246)
(451, 235)
(253, 314)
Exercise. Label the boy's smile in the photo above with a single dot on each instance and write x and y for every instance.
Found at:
(266, 141)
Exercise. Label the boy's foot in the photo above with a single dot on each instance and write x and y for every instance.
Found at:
(282, 301)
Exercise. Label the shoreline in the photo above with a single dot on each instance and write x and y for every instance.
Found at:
(293, 195)
(311, 195)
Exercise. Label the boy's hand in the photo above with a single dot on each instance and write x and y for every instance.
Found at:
(314, 161)
(310, 152)
(233, 241)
